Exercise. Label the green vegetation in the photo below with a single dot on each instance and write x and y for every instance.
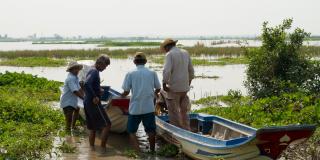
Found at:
(168, 150)
(280, 65)
(33, 62)
(286, 109)
(67, 148)
(206, 77)
(104, 43)
(207, 62)
(283, 84)
(27, 124)
(232, 55)
(128, 44)
(131, 153)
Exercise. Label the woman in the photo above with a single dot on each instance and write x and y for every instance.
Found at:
(96, 117)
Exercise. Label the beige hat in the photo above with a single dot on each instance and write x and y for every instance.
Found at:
(140, 55)
(73, 64)
(167, 42)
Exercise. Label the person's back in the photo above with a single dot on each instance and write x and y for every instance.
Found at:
(178, 73)
(142, 82)
(178, 70)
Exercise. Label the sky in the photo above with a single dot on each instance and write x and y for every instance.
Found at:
(20, 18)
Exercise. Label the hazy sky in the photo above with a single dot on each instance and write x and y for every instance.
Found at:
(153, 17)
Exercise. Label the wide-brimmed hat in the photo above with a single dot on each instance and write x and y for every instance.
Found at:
(140, 55)
(74, 64)
(167, 42)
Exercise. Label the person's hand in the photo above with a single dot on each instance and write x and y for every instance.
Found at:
(96, 100)
(166, 88)
(101, 91)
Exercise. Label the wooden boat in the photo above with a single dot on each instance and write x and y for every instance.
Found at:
(213, 137)
(116, 108)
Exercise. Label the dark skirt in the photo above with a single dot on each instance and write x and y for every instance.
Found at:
(96, 116)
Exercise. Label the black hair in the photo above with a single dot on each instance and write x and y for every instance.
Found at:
(140, 61)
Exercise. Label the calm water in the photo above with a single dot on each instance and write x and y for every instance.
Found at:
(230, 76)
(11, 46)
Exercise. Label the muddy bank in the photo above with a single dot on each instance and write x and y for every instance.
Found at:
(118, 147)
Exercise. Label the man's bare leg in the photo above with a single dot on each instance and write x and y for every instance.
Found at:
(152, 141)
(75, 118)
(104, 136)
(92, 138)
(68, 117)
(134, 142)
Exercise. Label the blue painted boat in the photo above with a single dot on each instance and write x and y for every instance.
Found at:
(213, 137)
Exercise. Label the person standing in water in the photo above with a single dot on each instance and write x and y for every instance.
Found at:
(178, 73)
(144, 85)
(96, 117)
(69, 97)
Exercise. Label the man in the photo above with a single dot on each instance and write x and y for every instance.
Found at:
(178, 73)
(96, 117)
(144, 85)
(69, 97)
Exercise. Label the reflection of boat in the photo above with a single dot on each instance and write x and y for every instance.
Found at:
(213, 137)
(116, 108)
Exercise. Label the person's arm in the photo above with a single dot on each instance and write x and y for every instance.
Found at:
(125, 93)
(126, 86)
(75, 88)
(79, 94)
(191, 71)
(157, 85)
(167, 71)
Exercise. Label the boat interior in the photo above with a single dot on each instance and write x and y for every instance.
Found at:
(217, 127)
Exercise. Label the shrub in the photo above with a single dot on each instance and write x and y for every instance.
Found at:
(279, 65)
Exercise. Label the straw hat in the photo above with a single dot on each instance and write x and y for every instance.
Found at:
(167, 42)
(140, 55)
(73, 64)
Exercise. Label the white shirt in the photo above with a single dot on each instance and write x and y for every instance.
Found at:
(178, 70)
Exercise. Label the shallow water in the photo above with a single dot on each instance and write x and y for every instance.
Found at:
(117, 146)
(230, 76)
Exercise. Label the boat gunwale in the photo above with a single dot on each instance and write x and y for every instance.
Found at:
(205, 141)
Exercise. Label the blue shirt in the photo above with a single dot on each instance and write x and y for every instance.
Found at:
(142, 82)
(68, 98)
(92, 85)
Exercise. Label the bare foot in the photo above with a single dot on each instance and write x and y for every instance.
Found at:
(92, 148)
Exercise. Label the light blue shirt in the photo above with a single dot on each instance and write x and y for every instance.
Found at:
(68, 98)
(142, 82)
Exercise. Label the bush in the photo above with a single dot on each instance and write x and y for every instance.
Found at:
(279, 65)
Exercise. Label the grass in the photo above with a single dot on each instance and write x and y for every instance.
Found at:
(34, 62)
(206, 77)
(102, 43)
(128, 44)
(93, 53)
(67, 148)
(206, 62)
(56, 57)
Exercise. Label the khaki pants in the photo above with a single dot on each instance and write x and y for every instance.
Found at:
(178, 107)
